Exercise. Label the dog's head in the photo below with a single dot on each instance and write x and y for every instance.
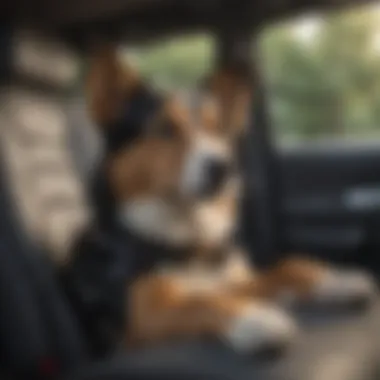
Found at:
(177, 150)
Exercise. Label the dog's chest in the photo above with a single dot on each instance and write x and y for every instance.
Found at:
(213, 224)
(215, 220)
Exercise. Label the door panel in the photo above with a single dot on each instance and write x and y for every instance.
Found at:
(331, 199)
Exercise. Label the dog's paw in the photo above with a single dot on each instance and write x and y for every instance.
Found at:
(260, 327)
(344, 288)
(308, 282)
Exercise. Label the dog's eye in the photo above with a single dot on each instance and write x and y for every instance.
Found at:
(167, 130)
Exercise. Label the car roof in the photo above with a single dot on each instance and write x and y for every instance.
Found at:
(146, 19)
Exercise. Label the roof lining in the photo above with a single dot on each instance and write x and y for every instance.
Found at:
(79, 20)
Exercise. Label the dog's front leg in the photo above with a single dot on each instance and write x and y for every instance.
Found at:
(160, 311)
(299, 280)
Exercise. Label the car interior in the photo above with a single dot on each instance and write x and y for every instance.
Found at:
(323, 200)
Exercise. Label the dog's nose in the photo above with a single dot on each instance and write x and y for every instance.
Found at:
(217, 172)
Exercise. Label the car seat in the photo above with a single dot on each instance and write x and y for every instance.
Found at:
(43, 207)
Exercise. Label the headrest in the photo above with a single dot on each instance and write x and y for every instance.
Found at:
(42, 61)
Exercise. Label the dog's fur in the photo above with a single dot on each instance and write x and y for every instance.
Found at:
(155, 178)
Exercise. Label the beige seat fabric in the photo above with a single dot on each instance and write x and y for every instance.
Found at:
(49, 193)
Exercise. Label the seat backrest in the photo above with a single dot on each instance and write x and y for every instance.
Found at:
(46, 202)
(49, 192)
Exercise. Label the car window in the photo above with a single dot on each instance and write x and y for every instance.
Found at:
(322, 76)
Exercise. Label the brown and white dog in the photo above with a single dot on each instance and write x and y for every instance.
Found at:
(177, 185)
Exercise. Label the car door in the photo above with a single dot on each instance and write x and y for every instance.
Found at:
(323, 102)
(331, 200)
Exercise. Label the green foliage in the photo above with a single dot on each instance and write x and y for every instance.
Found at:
(176, 63)
(326, 85)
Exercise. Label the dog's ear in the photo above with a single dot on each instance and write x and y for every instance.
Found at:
(109, 83)
(231, 89)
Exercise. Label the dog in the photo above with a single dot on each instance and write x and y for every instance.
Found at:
(171, 170)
